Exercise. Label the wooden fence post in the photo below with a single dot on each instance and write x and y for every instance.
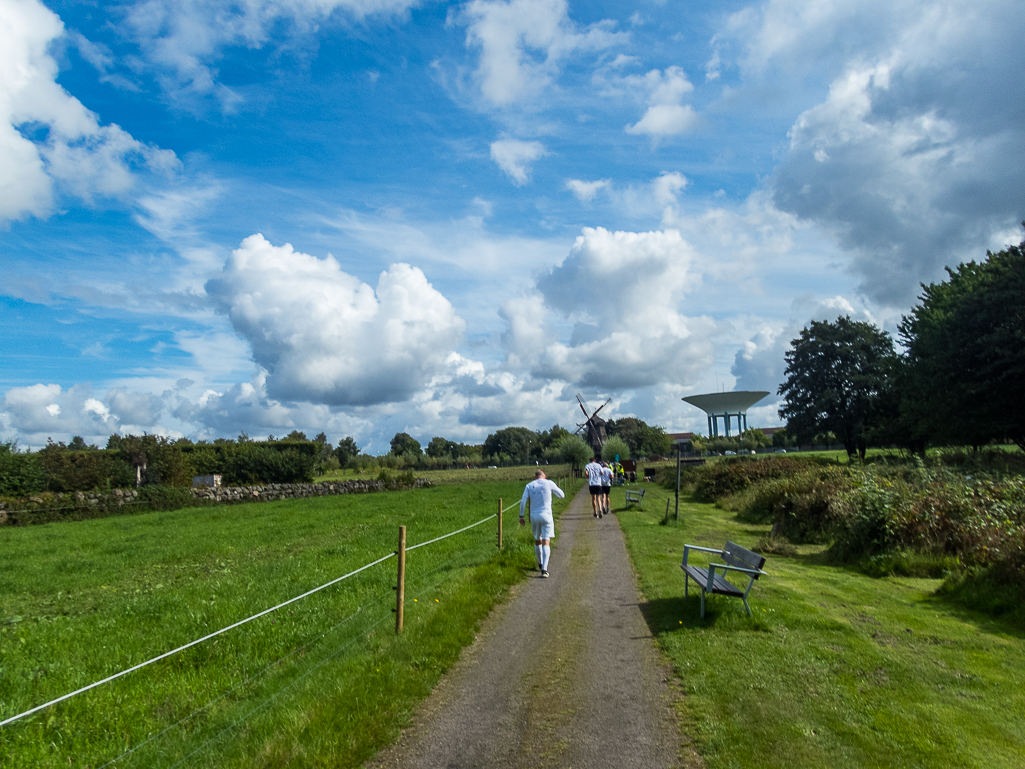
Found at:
(400, 588)
(499, 524)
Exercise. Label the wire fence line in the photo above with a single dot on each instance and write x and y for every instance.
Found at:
(298, 650)
(223, 630)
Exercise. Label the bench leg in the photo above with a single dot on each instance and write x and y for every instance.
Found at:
(686, 584)
(702, 604)
(744, 599)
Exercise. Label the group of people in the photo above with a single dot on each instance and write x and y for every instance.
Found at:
(538, 494)
(599, 483)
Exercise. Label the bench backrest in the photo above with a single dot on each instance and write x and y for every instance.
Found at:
(735, 555)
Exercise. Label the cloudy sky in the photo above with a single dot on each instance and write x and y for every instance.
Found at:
(371, 216)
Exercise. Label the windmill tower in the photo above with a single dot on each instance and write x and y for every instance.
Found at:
(593, 426)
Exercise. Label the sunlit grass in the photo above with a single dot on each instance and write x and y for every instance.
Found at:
(835, 668)
(322, 682)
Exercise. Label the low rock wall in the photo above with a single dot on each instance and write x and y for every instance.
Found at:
(78, 505)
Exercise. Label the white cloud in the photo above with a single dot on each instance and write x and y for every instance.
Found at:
(43, 411)
(666, 115)
(181, 40)
(514, 158)
(913, 160)
(523, 42)
(325, 337)
(760, 363)
(667, 186)
(623, 292)
(585, 191)
(49, 141)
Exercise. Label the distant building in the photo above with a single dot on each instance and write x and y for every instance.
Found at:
(726, 406)
(683, 440)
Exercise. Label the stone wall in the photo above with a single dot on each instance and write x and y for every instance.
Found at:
(273, 491)
(44, 508)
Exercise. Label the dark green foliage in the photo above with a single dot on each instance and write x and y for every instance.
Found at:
(731, 476)
(404, 443)
(393, 481)
(21, 473)
(642, 438)
(966, 353)
(346, 451)
(68, 470)
(835, 379)
(518, 444)
(275, 463)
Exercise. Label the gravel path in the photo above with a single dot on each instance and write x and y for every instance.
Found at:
(565, 674)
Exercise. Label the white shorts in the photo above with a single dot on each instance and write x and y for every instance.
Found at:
(542, 526)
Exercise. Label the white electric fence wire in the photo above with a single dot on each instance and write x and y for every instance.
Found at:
(315, 668)
(192, 643)
(277, 694)
(238, 686)
(278, 661)
(452, 534)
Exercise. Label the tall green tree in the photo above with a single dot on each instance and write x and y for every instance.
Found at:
(404, 443)
(519, 443)
(346, 451)
(615, 446)
(575, 451)
(835, 377)
(965, 343)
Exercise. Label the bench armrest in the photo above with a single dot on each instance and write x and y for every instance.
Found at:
(726, 568)
(688, 548)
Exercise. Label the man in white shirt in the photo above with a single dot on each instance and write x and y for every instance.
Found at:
(606, 486)
(542, 524)
(593, 470)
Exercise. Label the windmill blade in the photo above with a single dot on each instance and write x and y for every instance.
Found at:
(583, 406)
(606, 403)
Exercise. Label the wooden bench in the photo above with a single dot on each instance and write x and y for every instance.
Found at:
(634, 495)
(735, 558)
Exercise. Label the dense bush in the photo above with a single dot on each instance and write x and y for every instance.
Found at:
(258, 463)
(21, 473)
(68, 470)
(731, 476)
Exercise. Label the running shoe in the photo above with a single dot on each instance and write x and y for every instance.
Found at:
(544, 575)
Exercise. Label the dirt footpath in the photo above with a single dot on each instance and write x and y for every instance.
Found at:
(565, 674)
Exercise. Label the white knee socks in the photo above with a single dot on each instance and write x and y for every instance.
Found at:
(546, 551)
(540, 556)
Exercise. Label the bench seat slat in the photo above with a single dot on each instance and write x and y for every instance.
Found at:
(721, 585)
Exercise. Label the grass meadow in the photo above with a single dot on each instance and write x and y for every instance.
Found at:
(835, 668)
(322, 682)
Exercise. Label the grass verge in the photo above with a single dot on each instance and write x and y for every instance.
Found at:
(323, 682)
(835, 668)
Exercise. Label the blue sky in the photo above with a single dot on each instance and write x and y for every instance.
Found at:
(371, 216)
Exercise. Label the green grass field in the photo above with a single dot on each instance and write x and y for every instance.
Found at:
(322, 682)
(835, 668)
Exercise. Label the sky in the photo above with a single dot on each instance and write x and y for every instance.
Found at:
(366, 217)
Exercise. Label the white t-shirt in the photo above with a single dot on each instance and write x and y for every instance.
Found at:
(606, 476)
(593, 473)
(539, 492)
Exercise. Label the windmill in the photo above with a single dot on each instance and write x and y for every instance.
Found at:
(594, 425)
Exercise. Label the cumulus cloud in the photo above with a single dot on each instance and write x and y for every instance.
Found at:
(514, 158)
(523, 42)
(760, 363)
(585, 191)
(42, 411)
(666, 114)
(181, 42)
(325, 337)
(914, 158)
(49, 141)
(622, 293)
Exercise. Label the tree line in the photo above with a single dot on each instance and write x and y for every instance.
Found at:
(130, 460)
(958, 380)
